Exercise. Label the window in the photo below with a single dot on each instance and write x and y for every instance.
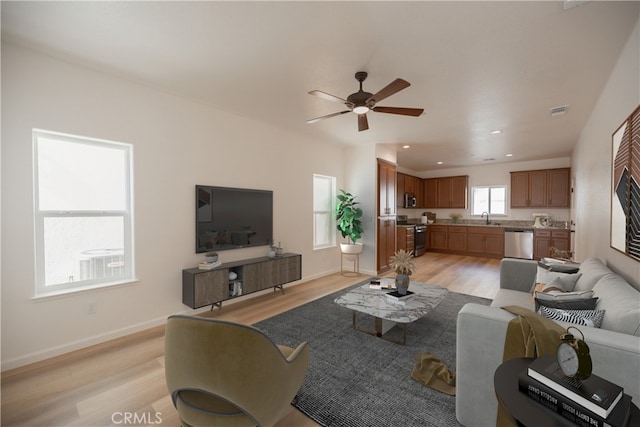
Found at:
(491, 199)
(324, 202)
(83, 213)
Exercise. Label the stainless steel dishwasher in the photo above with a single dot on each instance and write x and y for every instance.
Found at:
(518, 243)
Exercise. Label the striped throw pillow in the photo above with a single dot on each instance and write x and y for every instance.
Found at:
(591, 318)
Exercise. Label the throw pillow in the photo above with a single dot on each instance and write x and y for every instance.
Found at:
(592, 318)
(564, 296)
(545, 276)
(587, 304)
(565, 282)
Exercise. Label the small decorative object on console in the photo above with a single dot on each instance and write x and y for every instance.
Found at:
(573, 356)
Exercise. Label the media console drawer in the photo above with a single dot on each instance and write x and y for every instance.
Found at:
(211, 287)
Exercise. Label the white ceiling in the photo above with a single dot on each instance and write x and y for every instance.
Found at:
(473, 66)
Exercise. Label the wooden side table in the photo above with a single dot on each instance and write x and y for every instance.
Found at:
(522, 410)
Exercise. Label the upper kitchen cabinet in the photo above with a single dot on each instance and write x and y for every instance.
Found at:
(540, 188)
(559, 188)
(446, 192)
(407, 184)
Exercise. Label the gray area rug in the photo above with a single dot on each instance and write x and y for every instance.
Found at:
(355, 379)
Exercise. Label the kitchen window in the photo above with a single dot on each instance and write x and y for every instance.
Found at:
(83, 213)
(324, 205)
(491, 199)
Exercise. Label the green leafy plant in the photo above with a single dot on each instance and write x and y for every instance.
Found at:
(402, 262)
(348, 216)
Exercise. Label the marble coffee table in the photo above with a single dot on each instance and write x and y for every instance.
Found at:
(386, 312)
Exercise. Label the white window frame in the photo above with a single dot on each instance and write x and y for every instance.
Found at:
(41, 289)
(490, 187)
(326, 211)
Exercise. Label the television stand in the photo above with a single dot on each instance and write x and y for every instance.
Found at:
(211, 287)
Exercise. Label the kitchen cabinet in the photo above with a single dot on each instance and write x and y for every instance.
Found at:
(446, 192)
(559, 188)
(540, 188)
(437, 237)
(545, 239)
(409, 184)
(386, 241)
(386, 188)
(400, 177)
(457, 238)
(405, 238)
(467, 240)
(485, 241)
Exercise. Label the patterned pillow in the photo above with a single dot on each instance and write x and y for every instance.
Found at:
(587, 304)
(591, 318)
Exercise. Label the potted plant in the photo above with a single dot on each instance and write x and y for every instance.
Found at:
(402, 263)
(455, 216)
(349, 223)
(211, 257)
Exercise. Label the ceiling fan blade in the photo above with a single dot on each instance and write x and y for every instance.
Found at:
(415, 112)
(395, 86)
(317, 119)
(363, 123)
(328, 96)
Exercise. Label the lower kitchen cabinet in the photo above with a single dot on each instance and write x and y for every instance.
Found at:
(545, 239)
(485, 241)
(457, 238)
(437, 237)
(406, 238)
(467, 240)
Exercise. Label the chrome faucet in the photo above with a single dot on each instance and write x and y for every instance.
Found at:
(485, 213)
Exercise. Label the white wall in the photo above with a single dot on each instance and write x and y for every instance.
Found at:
(493, 174)
(177, 143)
(592, 162)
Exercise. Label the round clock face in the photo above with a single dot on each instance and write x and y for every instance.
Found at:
(568, 359)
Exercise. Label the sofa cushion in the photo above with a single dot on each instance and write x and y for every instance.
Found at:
(506, 297)
(621, 302)
(564, 296)
(592, 318)
(592, 270)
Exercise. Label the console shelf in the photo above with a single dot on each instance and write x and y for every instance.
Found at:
(212, 287)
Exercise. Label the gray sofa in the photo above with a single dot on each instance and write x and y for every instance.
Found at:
(481, 330)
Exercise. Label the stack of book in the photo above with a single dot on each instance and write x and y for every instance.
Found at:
(398, 298)
(592, 402)
(209, 265)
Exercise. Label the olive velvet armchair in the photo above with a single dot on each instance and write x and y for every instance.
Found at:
(228, 374)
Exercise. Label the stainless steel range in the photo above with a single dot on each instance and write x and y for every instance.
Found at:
(420, 236)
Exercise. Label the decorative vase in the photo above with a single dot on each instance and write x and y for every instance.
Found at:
(402, 283)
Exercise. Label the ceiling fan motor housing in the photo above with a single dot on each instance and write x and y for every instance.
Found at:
(359, 99)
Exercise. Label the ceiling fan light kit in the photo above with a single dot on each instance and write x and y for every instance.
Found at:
(362, 102)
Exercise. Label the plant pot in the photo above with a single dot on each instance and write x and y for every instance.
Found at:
(351, 248)
(211, 259)
(402, 283)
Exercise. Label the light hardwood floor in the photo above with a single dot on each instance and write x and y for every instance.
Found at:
(104, 384)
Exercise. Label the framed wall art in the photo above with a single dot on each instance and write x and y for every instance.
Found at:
(625, 187)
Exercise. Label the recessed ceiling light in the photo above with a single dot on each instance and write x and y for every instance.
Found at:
(406, 146)
(495, 132)
(509, 155)
(440, 163)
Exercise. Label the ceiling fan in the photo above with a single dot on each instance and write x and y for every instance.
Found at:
(362, 102)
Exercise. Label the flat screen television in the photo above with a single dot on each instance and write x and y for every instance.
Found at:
(232, 218)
